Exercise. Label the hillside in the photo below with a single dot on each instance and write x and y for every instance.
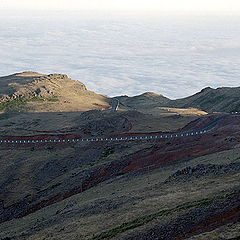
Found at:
(124, 190)
(183, 187)
(145, 102)
(35, 92)
(223, 99)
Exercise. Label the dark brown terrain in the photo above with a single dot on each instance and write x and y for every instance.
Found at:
(178, 188)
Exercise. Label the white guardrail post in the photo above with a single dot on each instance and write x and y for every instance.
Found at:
(125, 138)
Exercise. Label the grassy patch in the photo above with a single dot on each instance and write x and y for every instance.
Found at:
(148, 218)
(36, 99)
(18, 104)
(107, 152)
(230, 139)
(15, 104)
(53, 99)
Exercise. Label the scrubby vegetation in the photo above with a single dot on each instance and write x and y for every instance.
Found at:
(52, 99)
(17, 104)
(148, 218)
(107, 152)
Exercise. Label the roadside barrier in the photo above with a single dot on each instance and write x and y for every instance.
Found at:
(101, 139)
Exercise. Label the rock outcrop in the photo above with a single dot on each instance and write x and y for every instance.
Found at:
(30, 91)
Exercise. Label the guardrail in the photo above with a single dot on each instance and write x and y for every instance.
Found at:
(103, 139)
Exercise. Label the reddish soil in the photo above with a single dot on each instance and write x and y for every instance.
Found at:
(42, 137)
(162, 153)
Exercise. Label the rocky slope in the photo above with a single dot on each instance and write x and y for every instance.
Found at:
(35, 92)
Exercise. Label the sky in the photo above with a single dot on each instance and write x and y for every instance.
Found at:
(125, 5)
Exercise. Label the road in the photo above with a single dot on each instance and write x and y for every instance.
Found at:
(204, 130)
(115, 104)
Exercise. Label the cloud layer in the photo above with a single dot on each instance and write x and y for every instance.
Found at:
(125, 5)
(174, 56)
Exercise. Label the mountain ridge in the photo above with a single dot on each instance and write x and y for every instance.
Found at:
(57, 92)
(223, 99)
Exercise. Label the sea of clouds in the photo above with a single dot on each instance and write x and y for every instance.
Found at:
(117, 55)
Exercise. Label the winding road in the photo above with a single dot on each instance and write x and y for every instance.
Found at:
(33, 140)
(115, 104)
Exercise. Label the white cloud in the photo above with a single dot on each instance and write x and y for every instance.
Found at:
(125, 5)
(172, 56)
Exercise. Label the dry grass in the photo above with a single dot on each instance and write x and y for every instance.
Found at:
(72, 95)
(183, 111)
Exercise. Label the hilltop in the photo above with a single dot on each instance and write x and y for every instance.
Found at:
(35, 92)
(224, 99)
(145, 102)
